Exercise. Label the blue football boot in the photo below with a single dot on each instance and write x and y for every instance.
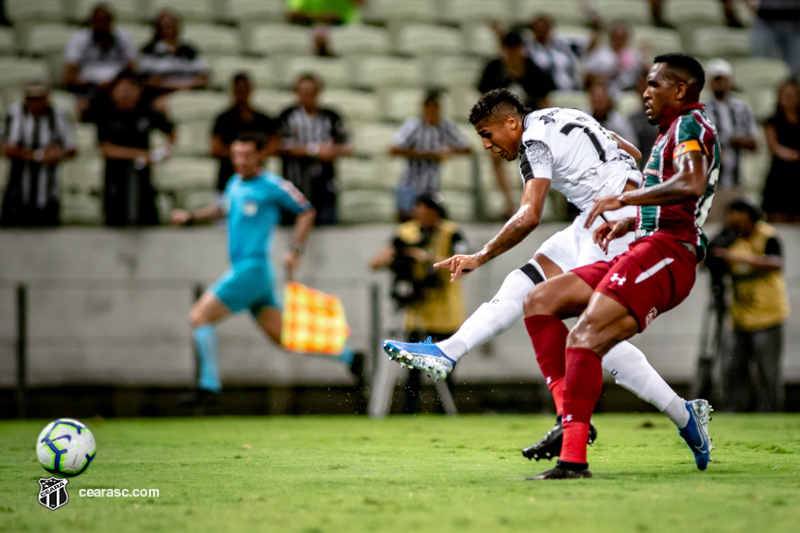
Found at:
(423, 356)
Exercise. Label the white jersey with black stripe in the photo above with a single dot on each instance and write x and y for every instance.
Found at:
(572, 149)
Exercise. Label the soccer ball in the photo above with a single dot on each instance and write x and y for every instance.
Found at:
(65, 447)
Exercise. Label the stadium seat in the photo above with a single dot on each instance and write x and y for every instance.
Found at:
(455, 72)
(457, 174)
(194, 198)
(334, 72)
(473, 11)
(719, 42)
(358, 39)
(759, 73)
(373, 139)
(196, 105)
(481, 41)
(563, 12)
(763, 101)
(80, 208)
(213, 38)
(185, 173)
(383, 71)
(278, 39)
(628, 102)
(420, 39)
(87, 139)
(194, 138)
(630, 11)
(243, 11)
(692, 13)
(260, 70)
(460, 205)
(365, 174)
(402, 104)
(365, 206)
(8, 41)
(19, 11)
(124, 10)
(140, 33)
(51, 38)
(83, 174)
(404, 11)
(189, 10)
(654, 41)
(358, 106)
(16, 71)
(273, 101)
(574, 99)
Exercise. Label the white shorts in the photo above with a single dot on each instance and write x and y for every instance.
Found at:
(573, 247)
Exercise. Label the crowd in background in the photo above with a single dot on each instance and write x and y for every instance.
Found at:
(125, 91)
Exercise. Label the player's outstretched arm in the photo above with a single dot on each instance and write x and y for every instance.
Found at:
(302, 227)
(689, 182)
(519, 226)
(181, 217)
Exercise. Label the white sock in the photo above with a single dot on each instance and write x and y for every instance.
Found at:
(631, 370)
(491, 318)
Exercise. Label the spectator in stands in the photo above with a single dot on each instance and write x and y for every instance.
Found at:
(320, 14)
(782, 131)
(124, 123)
(645, 132)
(37, 138)
(554, 56)
(736, 125)
(434, 306)
(603, 111)
(240, 118)
(312, 139)
(515, 71)
(758, 308)
(425, 141)
(617, 64)
(776, 32)
(94, 56)
(168, 63)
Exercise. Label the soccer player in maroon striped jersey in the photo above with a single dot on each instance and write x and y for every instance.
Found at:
(618, 299)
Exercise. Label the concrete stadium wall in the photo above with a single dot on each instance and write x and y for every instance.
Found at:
(109, 307)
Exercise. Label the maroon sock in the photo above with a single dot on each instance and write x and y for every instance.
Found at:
(583, 384)
(549, 338)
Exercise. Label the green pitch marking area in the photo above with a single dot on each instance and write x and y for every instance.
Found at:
(409, 474)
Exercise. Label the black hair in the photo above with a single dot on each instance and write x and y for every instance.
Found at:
(434, 200)
(240, 76)
(494, 102)
(687, 66)
(432, 95)
(744, 205)
(252, 137)
(512, 39)
(309, 76)
(128, 74)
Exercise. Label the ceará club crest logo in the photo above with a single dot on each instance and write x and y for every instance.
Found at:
(53, 492)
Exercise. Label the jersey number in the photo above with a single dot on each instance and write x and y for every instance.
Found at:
(592, 137)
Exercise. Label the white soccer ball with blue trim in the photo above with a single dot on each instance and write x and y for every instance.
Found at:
(65, 447)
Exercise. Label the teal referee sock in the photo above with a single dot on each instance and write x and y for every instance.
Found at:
(205, 339)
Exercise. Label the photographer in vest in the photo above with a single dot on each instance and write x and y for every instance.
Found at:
(758, 308)
(434, 307)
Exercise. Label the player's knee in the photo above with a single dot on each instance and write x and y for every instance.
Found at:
(537, 302)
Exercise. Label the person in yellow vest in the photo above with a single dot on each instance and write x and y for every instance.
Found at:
(434, 307)
(758, 309)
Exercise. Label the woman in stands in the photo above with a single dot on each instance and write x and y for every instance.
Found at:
(782, 131)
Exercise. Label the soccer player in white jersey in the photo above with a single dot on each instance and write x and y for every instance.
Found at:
(568, 150)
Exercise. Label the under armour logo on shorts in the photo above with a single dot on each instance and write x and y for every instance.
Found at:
(619, 280)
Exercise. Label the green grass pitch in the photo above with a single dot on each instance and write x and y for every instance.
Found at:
(410, 474)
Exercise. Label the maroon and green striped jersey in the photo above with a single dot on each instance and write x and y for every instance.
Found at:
(690, 131)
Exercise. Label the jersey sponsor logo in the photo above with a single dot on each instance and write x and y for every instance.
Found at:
(686, 146)
(619, 280)
(652, 172)
(650, 272)
(250, 208)
(651, 316)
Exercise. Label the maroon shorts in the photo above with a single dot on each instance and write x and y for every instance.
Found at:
(653, 276)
